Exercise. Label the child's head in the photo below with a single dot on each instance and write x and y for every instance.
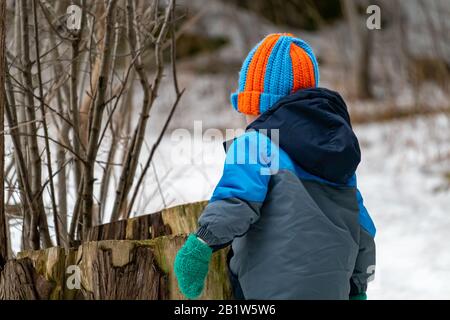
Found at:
(278, 66)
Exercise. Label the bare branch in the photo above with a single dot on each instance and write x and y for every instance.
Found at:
(3, 221)
(74, 66)
(97, 114)
(152, 152)
(38, 217)
(60, 234)
(150, 93)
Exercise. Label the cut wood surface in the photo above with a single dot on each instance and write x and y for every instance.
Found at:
(137, 263)
(176, 220)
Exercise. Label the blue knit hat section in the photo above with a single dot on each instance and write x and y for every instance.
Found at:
(278, 73)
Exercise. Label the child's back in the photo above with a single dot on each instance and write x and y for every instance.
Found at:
(287, 200)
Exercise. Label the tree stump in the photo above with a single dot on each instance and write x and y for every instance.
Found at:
(137, 263)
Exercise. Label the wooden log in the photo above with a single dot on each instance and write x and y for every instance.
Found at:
(181, 219)
(120, 270)
(112, 269)
(116, 269)
(19, 280)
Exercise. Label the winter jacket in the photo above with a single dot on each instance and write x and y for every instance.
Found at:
(289, 206)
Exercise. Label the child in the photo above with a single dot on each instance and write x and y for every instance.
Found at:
(287, 202)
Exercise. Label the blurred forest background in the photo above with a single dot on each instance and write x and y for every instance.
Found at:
(93, 116)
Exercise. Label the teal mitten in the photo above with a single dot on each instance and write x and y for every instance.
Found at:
(361, 296)
(191, 266)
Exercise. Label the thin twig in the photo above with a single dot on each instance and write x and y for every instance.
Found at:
(152, 152)
(60, 237)
(150, 93)
(50, 139)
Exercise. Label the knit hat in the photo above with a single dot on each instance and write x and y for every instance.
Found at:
(278, 66)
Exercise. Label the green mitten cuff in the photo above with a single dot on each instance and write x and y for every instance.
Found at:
(191, 266)
(361, 296)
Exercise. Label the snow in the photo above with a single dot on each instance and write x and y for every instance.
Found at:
(399, 185)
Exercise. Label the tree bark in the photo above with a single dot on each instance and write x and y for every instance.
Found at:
(361, 45)
(74, 109)
(61, 238)
(129, 259)
(38, 217)
(3, 220)
(99, 106)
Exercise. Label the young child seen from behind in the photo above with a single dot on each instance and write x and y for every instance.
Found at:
(287, 203)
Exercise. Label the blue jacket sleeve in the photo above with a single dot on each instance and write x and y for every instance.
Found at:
(240, 193)
(364, 218)
(364, 270)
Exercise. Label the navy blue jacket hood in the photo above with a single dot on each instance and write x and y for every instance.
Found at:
(315, 131)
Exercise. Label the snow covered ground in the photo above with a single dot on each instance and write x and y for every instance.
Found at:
(400, 178)
(400, 181)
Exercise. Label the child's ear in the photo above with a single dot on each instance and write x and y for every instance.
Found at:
(250, 118)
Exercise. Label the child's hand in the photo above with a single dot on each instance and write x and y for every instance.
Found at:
(191, 266)
(361, 296)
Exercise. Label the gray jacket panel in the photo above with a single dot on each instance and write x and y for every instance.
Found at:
(303, 242)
